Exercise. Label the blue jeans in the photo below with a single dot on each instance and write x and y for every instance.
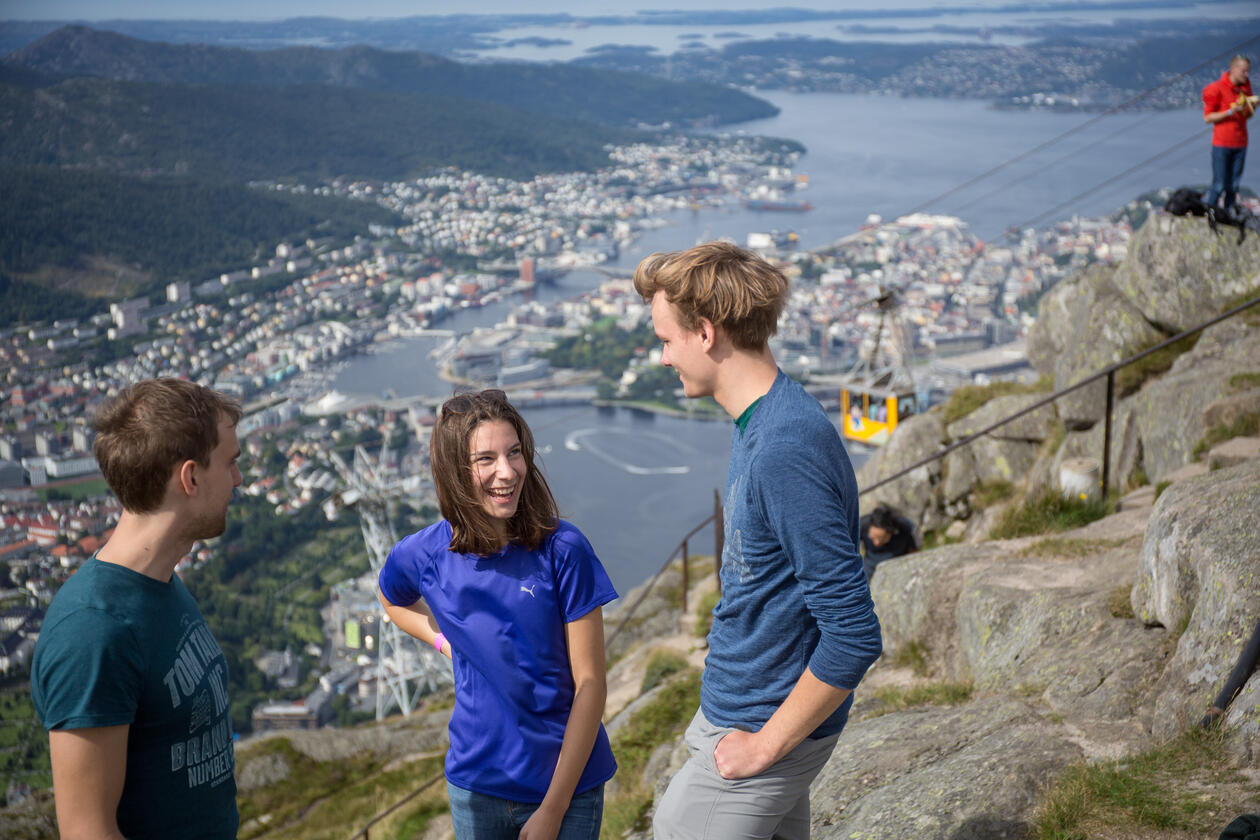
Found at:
(1227, 168)
(477, 816)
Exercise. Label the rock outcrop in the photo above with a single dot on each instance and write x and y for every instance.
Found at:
(1099, 317)
(1178, 273)
(1200, 579)
(1084, 324)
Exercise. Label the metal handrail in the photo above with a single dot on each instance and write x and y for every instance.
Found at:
(1108, 372)
(363, 834)
(669, 561)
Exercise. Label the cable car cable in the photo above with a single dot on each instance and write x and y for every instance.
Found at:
(1061, 205)
(1234, 50)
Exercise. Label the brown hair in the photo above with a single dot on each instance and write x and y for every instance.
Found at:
(730, 287)
(472, 529)
(152, 427)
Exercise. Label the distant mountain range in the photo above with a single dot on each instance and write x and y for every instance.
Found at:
(81, 101)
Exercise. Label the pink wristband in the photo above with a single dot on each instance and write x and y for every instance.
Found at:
(437, 642)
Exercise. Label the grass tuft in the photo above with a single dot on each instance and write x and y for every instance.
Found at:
(1244, 381)
(912, 655)
(1131, 377)
(968, 398)
(704, 612)
(937, 538)
(662, 664)
(992, 492)
(896, 699)
(1246, 425)
(661, 721)
(1143, 791)
(1119, 604)
(1073, 548)
(1049, 512)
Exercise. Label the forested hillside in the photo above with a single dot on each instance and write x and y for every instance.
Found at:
(142, 232)
(562, 91)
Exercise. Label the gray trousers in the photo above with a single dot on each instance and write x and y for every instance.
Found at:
(700, 805)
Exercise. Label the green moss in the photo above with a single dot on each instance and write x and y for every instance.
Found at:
(1058, 434)
(968, 398)
(1148, 790)
(1160, 487)
(1048, 512)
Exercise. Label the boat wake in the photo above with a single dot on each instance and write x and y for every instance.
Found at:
(581, 440)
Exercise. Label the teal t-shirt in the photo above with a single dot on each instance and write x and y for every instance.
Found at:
(118, 647)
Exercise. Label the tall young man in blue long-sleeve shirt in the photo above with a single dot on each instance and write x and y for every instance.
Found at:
(795, 629)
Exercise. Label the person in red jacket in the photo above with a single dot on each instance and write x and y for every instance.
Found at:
(1226, 109)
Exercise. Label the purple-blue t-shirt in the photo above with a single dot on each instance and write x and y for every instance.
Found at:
(504, 616)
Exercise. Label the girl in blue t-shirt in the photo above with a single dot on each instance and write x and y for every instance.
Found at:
(513, 595)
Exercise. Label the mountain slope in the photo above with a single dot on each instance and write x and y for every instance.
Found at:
(67, 238)
(554, 89)
(252, 131)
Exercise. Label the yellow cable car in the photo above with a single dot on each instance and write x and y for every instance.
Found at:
(879, 391)
(871, 414)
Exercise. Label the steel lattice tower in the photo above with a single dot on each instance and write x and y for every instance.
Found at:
(406, 667)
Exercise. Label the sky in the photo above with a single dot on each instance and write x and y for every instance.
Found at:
(279, 9)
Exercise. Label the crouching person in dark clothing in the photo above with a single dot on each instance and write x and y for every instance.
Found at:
(885, 533)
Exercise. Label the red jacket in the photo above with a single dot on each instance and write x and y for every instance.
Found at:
(1218, 96)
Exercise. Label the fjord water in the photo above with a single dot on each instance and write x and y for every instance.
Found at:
(865, 155)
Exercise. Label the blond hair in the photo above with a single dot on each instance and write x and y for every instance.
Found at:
(731, 288)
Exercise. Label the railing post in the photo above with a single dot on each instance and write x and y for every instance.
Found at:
(719, 536)
(686, 577)
(1106, 458)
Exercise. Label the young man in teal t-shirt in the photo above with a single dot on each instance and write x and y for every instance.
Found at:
(126, 676)
(795, 629)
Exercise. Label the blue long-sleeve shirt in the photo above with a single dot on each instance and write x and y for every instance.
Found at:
(793, 591)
